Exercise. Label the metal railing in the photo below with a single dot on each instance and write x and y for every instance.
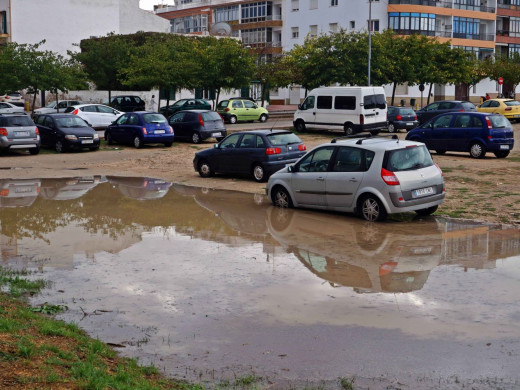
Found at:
(445, 4)
(506, 4)
(479, 36)
(436, 33)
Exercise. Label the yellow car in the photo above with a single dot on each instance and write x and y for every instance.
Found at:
(508, 107)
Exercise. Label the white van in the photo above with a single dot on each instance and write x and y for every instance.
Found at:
(355, 109)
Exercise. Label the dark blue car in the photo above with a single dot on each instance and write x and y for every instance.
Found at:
(258, 153)
(473, 132)
(139, 128)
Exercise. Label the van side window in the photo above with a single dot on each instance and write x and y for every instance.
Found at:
(308, 103)
(324, 102)
(374, 101)
(345, 103)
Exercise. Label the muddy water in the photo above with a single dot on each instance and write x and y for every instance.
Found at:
(215, 285)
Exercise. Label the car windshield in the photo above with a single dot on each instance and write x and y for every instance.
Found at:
(409, 158)
(18, 121)
(211, 116)
(511, 103)
(154, 118)
(279, 139)
(499, 121)
(178, 103)
(71, 122)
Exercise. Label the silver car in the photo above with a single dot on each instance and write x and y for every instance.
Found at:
(18, 131)
(370, 176)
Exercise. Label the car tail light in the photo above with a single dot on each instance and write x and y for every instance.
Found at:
(144, 131)
(415, 117)
(4, 192)
(201, 121)
(36, 131)
(361, 119)
(7, 97)
(399, 117)
(488, 122)
(270, 151)
(461, 110)
(508, 109)
(302, 147)
(3, 131)
(389, 177)
(171, 129)
(75, 112)
(227, 109)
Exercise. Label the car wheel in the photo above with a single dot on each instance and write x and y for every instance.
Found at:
(138, 143)
(108, 138)
(349, 129)
(34, 151)
(391, 128)
(372, 209)
(281, 197)
(205, 169)
(426, 212)
(232, 119)
(300, 126)
(440, 151)
(168, 144)
(94, 148)
(476, 150)
(259, 173)
(263, 118)
(501, 153)
(195, 138)
(59, 147)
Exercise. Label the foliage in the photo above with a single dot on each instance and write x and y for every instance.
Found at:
(507, 67)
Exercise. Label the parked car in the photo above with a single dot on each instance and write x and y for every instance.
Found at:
(185, 104)
(370, 176)
(56, 107)
(9, 108)
(18, 192)
(18, 131)
(197, 125)
(401, 118)
(140, 128)
(508, 107)
(127, 103)
(241, 109)
(97, 116)
(65, 132)
(258, 153)
(473, 132)
(14, 98)
(442, 107)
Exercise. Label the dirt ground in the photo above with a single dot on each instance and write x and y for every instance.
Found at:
(486, 189)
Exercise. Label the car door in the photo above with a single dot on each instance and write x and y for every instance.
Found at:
(237, 109)
(428, 112)
(464, 127)
(178, 125)
(224, 156)
(251, 110)
(440, 137)
(307, 110)
(346, 174)
(131, 128)
(5, 108)
(324, 111)
(105, 115)
(49, 129)
(308, 181)
(90, 115)
(247, 153)
(62, 106)
(117, 129)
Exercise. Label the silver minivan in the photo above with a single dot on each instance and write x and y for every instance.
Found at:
(370, 176)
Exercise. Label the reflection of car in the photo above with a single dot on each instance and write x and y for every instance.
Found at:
(66, 132)
(140, 188)
(256, 152)
(127, 103)
(370, 176)
(9, 108)
(61, 107)
(98, 116)
(241, 109)
(473, 132)
(18, 131)
(401, 118)
(14, 98)
(442, 107)
(508, 107)
(139, 128)
(18, 192)
(185, 104)
(197, 125)
(68, 188)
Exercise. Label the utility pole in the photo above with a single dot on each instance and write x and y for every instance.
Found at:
(369, 38)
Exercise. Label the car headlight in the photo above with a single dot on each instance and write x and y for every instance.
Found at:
(96, 136)
(71, 137)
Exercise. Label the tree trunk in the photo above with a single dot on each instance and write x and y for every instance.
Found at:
(429, 94)
(57, 108)
(393, 93)
(34, 101)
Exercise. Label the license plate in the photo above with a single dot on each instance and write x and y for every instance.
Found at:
(422, 192)
(87, 141)
(23, 190)
(516, 116)
(216, 134)
(504, 147)
(159, 131)
(409, 123)
(22, 134)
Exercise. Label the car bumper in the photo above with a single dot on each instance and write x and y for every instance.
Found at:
(500, 144)
(407, 125)
(26, 143)
(71, 144)
(213, 134)
(404, 201)
(158, 139)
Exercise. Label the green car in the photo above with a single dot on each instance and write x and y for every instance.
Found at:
(241, 109)
(185, 104)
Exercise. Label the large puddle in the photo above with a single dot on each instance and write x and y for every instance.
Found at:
(213, 285)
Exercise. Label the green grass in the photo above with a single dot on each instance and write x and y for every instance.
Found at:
(347, 383)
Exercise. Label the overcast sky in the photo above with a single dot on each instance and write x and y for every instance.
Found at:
(148, 4)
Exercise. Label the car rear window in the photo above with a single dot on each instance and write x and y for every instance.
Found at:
(468, 106)
(22, 120)
(407, 159)
(511, 103)
(499, 121)
(154, 118)
(211, 116)
(406, 111)
(279, 139)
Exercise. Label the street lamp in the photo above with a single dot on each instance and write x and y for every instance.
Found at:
(369, 38)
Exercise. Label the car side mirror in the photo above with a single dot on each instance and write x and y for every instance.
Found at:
(292, 168)
(216, 146)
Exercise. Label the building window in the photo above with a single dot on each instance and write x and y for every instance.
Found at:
(352, 24)
(256, 35)
(313, 4)
(473, 5)
(295, 5)
(514, 27)
(189, 24)
(374, 25)
(3, 22)
(333, 27)
(226, 14)
(295, 32)
(256, 12)
(467, 28)
(514, 49)
(407, 23)
(333, 3)
(313, 30)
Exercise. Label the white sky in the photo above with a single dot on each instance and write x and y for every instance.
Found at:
(148, 4)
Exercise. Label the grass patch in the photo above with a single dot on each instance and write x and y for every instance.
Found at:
(347, 383)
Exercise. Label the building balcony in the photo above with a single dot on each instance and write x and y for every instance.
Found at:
(444, 4)
(478, 37)
(504, 4)
(436, 33)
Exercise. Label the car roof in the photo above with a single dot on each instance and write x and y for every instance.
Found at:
(376, 143)
(58, 115)
(266, 131)
(197, 111)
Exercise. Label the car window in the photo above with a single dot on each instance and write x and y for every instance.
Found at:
(406, 111)
(230, 141)
(223, 104)
(499, 121)
(446, 106)
(494, 104)
(62, 104)
(374, 101)
(283, 139)
(432, 107)
(137, 99)
(236, 104)
(21, 120)
(191, 102)
(123, 119)
(324, 102)
(260, 143)
(191, 117)
(39, 120)
(308, 103)
(348, 160)
(211, 116)
(316, 161)
(409, 158)
(442, 122)
(487, 103)
(154, 118)
(48, 122)
(345, 103)
(468, 106)
(511, 103)
(249, 104)
(463, 121)
(177, 118)
(392, 110)
(3, 105)
(105, 109)
(69, 109)
(88, 109)
(248, 141)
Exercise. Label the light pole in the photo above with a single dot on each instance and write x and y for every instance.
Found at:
(369, 38)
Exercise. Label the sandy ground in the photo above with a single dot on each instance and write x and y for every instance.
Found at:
(486, 189)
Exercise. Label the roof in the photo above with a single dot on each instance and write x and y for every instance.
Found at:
(372, 142)
(265, 131)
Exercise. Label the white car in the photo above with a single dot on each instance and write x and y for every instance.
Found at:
(98, 116)
(51, 108)
(14, 98)
(370, 176)
(8, 108)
